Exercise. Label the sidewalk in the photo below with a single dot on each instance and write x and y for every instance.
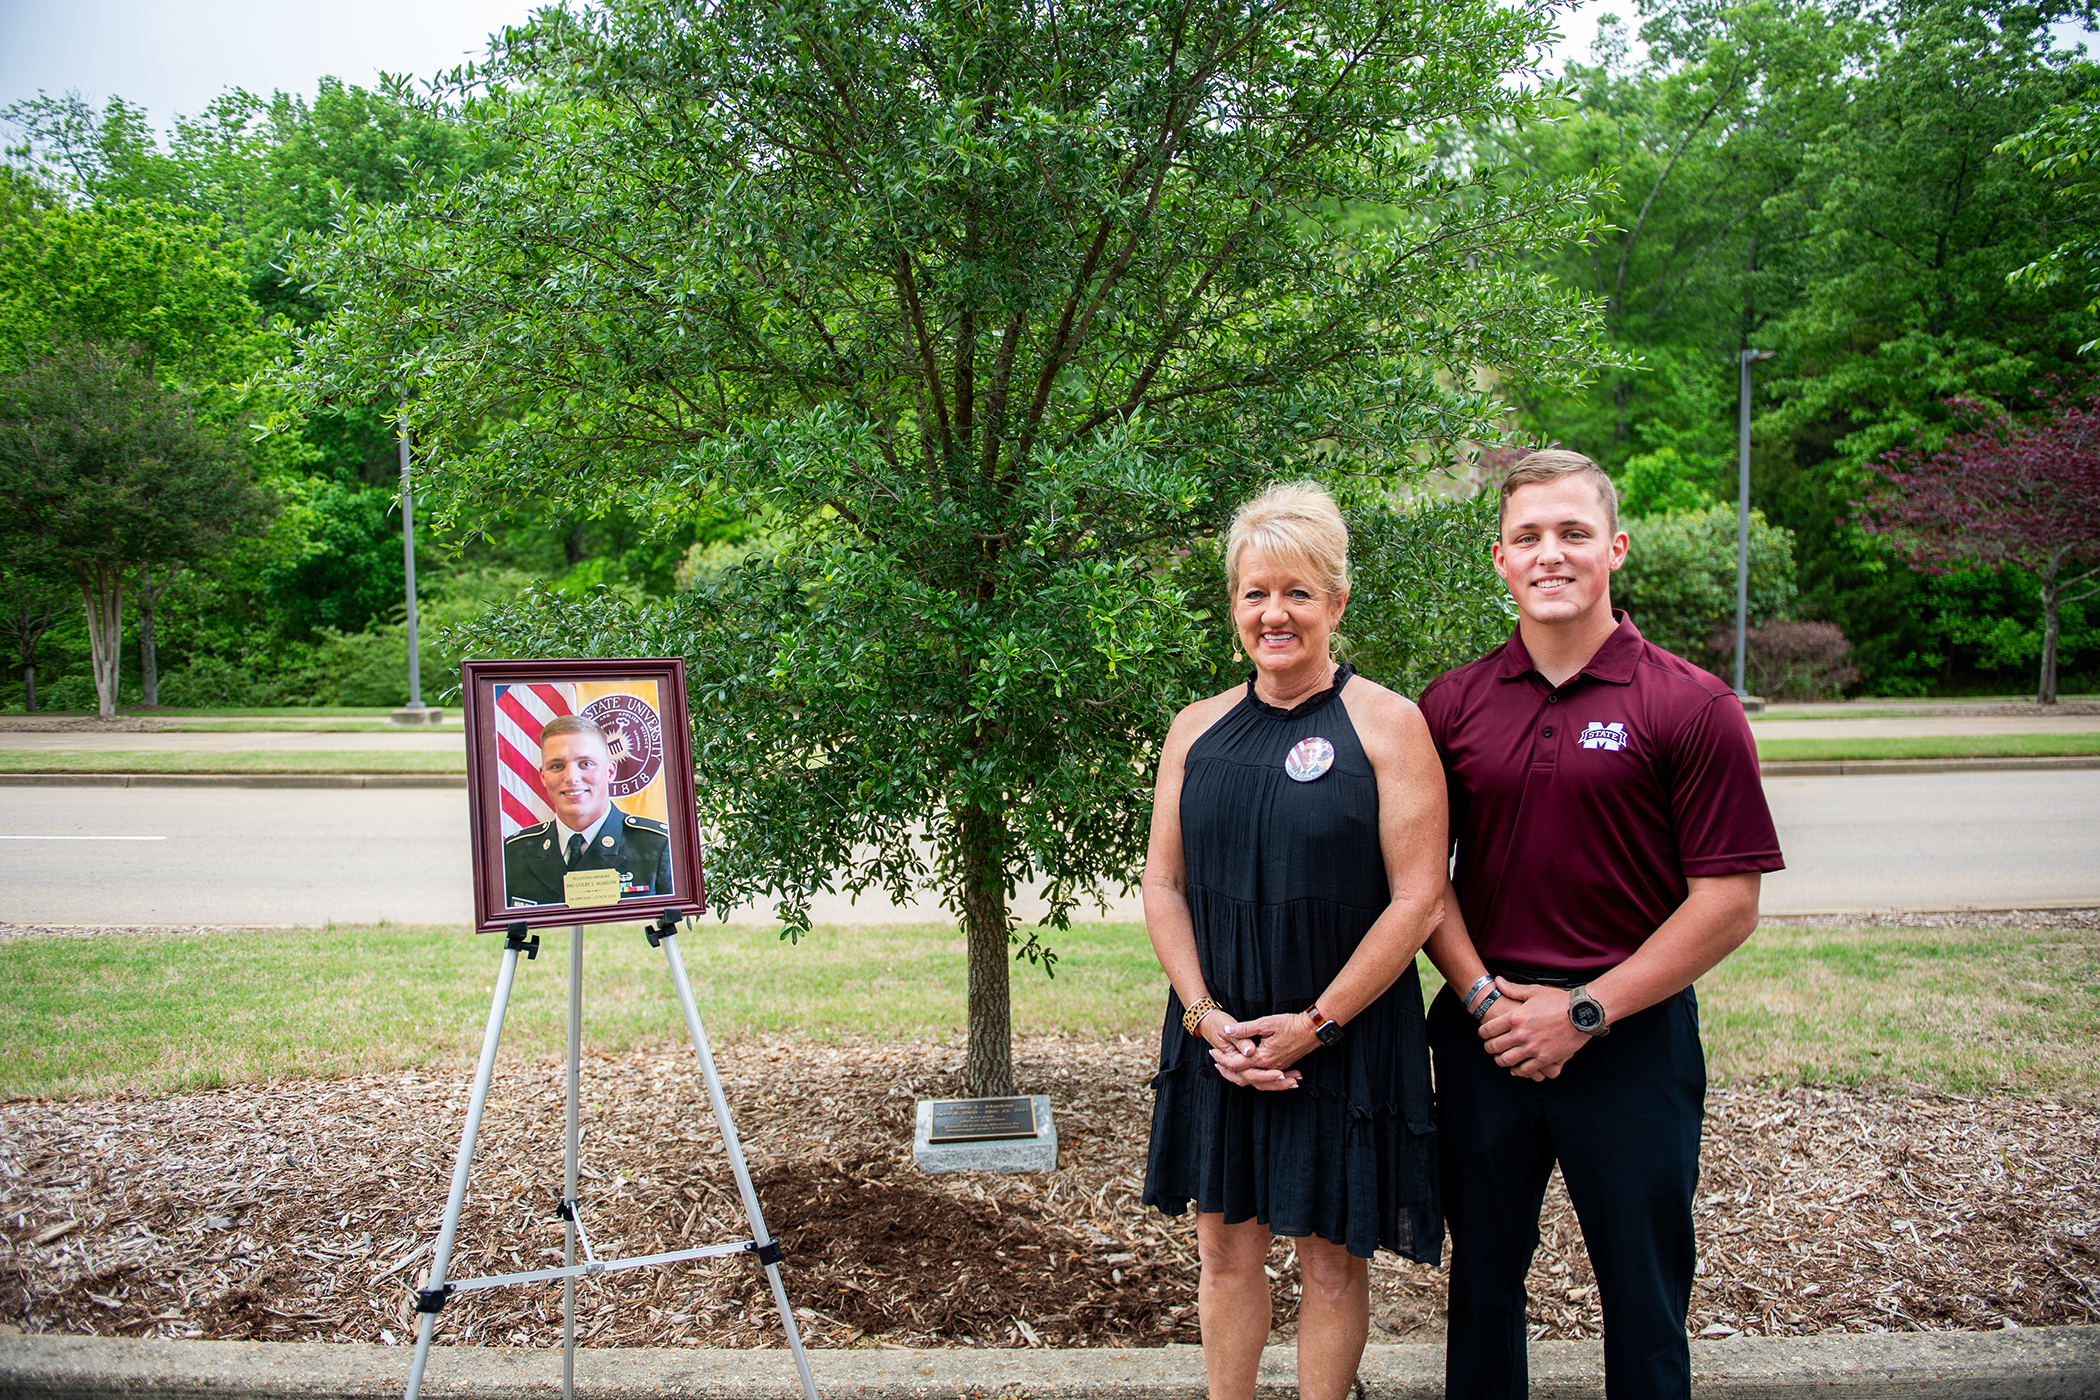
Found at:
(2042, 1363)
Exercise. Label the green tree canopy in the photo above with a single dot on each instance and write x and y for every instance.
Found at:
(992, 310)
(147, 275)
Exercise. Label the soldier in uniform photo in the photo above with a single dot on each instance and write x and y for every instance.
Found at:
(586, 832)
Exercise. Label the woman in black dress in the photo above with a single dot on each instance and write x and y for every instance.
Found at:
(1297, 863)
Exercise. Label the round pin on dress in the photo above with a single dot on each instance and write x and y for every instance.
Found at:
(1308, 759)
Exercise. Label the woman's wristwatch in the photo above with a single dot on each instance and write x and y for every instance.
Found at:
(1324, 1026)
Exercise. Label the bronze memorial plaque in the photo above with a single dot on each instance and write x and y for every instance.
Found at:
(982, 1120)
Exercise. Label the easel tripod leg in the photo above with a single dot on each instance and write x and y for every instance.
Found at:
(441, 1257)
(735, 1152)
(568, 1187)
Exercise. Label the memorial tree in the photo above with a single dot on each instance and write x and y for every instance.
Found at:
(2003, 491)
(991, 313)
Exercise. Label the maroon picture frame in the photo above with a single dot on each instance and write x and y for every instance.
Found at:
(478, 683)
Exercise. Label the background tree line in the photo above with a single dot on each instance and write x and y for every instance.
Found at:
(1891, 197)
(168, 253)
(1888, 195)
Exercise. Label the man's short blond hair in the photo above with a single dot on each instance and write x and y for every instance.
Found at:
(1551, 465)
(1295, 521)
(574, 724)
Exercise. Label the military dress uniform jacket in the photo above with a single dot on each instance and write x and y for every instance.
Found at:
(640, 849)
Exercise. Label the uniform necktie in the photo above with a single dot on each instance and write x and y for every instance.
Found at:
(575, 848)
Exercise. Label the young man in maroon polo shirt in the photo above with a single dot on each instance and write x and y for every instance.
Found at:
(1610, 832)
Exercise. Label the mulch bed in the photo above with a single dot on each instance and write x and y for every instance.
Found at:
(304, 1211)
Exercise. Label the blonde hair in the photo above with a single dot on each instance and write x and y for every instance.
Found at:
(1551, 465)
(574, 724)
(1294, 520)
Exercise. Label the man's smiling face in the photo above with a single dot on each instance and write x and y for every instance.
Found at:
(1557, 551)
(575, 769)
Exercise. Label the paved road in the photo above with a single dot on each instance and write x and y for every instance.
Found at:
(268, 856)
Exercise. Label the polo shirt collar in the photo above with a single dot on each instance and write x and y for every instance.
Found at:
(1615, 661)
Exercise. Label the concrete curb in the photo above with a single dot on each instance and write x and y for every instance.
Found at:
(1860, 767)
(236, 780)
(1778, 769)
(2041, 1363)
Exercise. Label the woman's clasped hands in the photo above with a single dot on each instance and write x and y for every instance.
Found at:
(1259, 1053)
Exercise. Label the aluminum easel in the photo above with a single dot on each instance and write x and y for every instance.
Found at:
(436, 1289)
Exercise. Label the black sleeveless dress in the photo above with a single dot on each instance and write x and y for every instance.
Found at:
(1284, 879)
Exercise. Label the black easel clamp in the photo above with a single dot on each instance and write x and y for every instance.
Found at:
(430, 1300)
(665, 927)
(768, 1253)
(565, 1210)
(517, 942)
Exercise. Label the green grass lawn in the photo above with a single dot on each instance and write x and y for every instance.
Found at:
(1965, 1010)
(1961, 1010)
(228, 761)
(1932, 746)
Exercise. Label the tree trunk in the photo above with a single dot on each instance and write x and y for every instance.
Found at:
(988, 1063)
(102, 590)
(149, 671)
(2052, 599)
(29, 689)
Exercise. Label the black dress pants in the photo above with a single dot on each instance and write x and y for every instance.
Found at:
(1623, 1121)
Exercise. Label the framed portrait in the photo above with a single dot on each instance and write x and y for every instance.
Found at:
(580, 791)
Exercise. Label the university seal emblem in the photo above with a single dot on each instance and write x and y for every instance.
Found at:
(635, 734)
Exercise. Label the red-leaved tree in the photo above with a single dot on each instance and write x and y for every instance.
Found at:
(2003, 490)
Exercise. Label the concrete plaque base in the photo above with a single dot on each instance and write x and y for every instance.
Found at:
(405, 715)
(1030, 1154)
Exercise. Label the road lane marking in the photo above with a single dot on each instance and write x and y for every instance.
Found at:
(4, 837)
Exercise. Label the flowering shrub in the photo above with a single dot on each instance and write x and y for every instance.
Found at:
(1791, 660)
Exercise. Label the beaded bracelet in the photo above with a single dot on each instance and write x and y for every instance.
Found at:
(1193, 1017)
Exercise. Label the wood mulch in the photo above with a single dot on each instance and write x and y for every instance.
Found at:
(305, 1210)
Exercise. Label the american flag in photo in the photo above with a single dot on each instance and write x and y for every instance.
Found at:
(522, 711)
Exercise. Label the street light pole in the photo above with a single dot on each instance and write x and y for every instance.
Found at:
(408, 560)
(1742, 520)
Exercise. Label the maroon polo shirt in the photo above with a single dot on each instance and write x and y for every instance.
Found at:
(1578, 813)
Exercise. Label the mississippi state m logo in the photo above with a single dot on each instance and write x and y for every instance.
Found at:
(1600, 735)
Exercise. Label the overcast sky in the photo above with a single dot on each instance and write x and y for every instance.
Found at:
(173, 56)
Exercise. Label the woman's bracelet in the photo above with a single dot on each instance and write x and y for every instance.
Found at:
(1193, 1017)
(1486, 979)
(1480, 1012)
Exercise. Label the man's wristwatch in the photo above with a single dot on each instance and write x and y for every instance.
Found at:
(1586, 1012)
(1324, 1026)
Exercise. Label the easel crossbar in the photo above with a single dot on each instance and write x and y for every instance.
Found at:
(600, 1266)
